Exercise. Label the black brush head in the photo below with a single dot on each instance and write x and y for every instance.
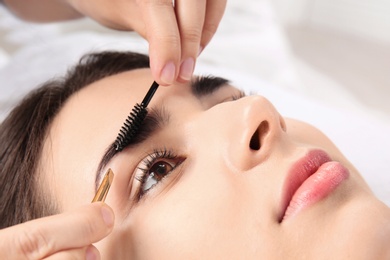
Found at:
(130, 127)
(133, 122)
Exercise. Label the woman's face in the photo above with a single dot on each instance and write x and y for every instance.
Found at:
(217, 178)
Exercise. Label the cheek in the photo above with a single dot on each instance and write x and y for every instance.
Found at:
(181, 220)
(184, 219)
(204, 214)
(306, 134)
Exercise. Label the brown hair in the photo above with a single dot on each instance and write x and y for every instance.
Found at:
(23, 132)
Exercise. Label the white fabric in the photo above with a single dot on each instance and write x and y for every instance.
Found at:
(249, 48)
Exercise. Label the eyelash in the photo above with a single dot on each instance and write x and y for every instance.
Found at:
(238, 96)
(158, 155)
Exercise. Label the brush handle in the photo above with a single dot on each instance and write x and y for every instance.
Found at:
(150, 94)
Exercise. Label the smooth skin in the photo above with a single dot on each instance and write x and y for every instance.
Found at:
(176, 33)
(224, 200)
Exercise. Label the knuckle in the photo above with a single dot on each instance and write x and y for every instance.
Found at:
(155, 2)
(171, 40)
(33, 244)
(210, 28)
(191, 35)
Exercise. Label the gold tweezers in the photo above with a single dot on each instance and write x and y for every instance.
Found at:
(104, 187)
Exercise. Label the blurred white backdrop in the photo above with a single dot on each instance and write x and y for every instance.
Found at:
(346, 40)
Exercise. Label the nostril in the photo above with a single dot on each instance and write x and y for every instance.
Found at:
(255, 142)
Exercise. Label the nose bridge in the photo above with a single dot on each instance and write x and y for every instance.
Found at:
(240, 132)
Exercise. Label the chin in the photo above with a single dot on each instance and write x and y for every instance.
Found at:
(365, 228)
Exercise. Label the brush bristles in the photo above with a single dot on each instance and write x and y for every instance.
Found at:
(130, 127)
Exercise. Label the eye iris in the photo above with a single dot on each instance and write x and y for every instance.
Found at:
(160, 170)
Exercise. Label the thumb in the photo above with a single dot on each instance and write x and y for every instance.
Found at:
(42, 237)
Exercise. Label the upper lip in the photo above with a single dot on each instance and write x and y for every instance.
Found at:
(298, 173)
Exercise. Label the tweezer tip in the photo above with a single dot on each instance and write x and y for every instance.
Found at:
(104, 187)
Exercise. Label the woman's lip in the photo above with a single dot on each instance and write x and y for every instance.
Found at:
(309, 180)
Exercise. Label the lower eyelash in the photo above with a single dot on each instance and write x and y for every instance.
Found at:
(140, 196)
(148, 162)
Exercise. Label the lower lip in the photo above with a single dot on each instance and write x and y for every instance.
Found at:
(318, 186)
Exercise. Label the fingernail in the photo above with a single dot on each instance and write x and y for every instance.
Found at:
(91, 253)
(168, 73)
(108, 217)
(187, 68)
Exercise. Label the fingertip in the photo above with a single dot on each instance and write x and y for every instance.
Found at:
(186, 69)
(107, 215)
(163, 73)
(92, 253)
(168, 74)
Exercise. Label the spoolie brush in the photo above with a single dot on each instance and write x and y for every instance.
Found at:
(133, 122)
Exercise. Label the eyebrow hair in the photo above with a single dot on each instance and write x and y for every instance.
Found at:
(206, 85)
(157, 118)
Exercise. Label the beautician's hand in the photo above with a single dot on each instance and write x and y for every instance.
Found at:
(176, 35)
(64, 236)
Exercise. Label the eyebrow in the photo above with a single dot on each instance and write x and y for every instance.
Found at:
(158, 117)
(206, 85)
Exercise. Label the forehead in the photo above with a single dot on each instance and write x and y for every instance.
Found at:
(99, 109)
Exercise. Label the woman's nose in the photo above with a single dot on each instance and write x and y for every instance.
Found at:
(252, 127)
(259, 127)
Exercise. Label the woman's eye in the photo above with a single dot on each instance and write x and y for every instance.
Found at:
(155, 174)
(154, 168)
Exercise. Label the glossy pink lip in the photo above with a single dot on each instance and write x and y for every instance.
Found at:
(309, 180)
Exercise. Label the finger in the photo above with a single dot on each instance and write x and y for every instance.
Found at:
(42, 237)
(214, 12)
(190, 17)
(89, 253)
(163, 36)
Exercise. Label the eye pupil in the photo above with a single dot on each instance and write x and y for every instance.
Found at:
(155, 168)
(160, 169)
